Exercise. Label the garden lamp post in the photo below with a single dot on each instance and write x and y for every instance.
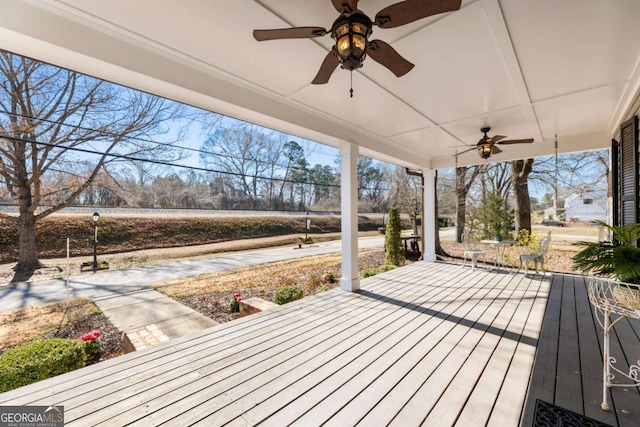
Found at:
(306, 231)
(96, 217)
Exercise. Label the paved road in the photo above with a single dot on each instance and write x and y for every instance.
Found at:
(104, 284)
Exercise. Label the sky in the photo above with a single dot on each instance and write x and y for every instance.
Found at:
(317, 153)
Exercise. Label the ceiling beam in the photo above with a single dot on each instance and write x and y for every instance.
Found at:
(505, 45)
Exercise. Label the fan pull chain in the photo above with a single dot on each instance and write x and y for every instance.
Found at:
(351, 90)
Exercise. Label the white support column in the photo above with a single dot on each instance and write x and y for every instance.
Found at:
(349, 203)
(429, 218)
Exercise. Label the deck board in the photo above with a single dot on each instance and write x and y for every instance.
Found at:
(430, 343)
(568, 367)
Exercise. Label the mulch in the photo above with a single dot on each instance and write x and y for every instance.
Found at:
(110, 336)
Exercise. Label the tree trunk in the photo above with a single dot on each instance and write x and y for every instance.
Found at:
(461, 206)
(462, 189)
(439, 250)
(522, 202)
(28, 250)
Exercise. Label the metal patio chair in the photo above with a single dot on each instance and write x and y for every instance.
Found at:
(471, 250)
(536, 257)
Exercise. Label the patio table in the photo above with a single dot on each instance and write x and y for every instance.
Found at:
(500, 246)
(413, 241)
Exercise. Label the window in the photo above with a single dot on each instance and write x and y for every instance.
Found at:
(587, 201)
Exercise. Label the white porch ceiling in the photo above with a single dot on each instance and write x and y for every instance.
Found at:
(527, 68)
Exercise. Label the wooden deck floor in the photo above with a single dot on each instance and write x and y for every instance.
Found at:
(568, 366)
(429, 344)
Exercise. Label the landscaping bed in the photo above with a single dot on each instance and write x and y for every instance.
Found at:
(59, 320)
(211, 294)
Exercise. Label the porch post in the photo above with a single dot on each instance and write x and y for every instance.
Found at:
(349, 216)
(429, 219)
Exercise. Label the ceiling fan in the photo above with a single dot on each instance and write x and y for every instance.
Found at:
(487, 144)
(351, 31)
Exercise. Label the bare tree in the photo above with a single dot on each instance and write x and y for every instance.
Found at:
(497, 179)
(51, 120)
(406, 194)
(573, 172)
(239, 151)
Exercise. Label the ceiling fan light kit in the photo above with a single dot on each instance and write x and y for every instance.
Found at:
(486, 147)
(484, 150)
(351, 34)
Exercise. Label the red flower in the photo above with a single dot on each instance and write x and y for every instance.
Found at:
(90, 336)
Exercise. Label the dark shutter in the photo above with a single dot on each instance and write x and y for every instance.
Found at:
(614, 183)
(628, 172)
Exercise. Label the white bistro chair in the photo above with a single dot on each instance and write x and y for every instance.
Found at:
(471, 250)
(536, 257)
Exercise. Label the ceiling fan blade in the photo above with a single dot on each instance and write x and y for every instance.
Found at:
(409, 11)
(384, 54)
(465, 151)
(496, 138)
(516, 141)
(348, 6)
(326, 69)
(495, 150)
(289, 33)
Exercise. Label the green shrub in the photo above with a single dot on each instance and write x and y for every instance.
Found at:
(386, 267)
(392, 240)
(373, 271)
(39, 360)
(287, 294)
(368, 272)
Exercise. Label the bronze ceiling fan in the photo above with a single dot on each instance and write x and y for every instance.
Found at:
(487, 144)
(351, 33)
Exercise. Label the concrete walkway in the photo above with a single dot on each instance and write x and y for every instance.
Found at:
(125, 298)
(134, 311)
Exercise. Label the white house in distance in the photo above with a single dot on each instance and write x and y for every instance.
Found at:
(590, 206)
(584, 207)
